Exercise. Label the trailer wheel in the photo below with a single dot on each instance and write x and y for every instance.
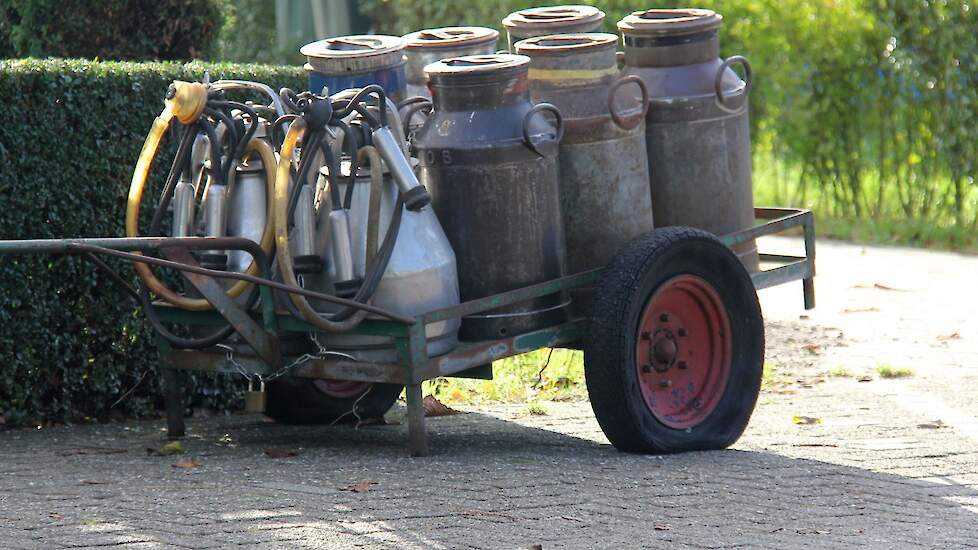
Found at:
(294, 400)
(675, 347)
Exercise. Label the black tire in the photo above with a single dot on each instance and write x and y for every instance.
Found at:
(292, 400)
(638, 270)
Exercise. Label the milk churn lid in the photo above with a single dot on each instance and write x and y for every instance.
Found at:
(363, 45)
(560, 43)
(450, 37)
(670, 22)
(552, 17)
(477, 64)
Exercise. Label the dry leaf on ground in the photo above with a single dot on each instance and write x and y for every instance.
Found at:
(952, 336)
(662, 527)
(932, 425)
(865, 378)
(188, 463)
(860, 310)
(806, 420)
(361, 487)
(92, 451)
(171, 448)
(276, 452)
(434, 407)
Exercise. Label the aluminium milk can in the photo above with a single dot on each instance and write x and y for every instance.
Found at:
(489, 159)
(548, 20)
(356, 61)
(697, 129)
(604, 174)
(422, 48)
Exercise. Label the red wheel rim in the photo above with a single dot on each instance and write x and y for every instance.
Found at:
(683, 351)
(341, 388)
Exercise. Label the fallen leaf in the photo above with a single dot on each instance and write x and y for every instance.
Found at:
(880, 286)
(55, 515)
(952, 336)
(806, 420)
(92, 451)
(786, 391)
(171, 448)
(361, 487)
(485, 513)
(434, 407)
(811, 348)
(860, 310)
(662, 527)
(188, 463)
(865, 378)
(815, 445)
(92, 482)
(275, 452)
(535, 547)
(932, 425)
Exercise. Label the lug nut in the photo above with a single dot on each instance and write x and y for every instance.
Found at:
(682, 365)
(681, 332)
(665, 383)
(646, 368)
(664, 317)
(646, 335)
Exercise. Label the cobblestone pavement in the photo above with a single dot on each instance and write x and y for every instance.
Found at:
(884, 463)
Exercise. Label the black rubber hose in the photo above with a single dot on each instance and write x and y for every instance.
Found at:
(251, 128)
(354, 102)
(179, 162)
(315, 138)
(180, 342)
(350, 145)
(376, 271)
(217, 164)
(208, 129)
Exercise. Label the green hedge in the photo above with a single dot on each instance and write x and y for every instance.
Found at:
(70, 343)
(110, 29)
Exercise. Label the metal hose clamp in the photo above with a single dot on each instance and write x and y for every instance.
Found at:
(619, 120)
(559, 122)
(718, 81)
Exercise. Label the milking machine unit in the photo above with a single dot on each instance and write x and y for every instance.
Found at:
(314, 263)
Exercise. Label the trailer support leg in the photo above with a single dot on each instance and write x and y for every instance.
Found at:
(417, 434)
(173, 398)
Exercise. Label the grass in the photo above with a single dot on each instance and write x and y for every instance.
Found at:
(529, 378)
(840, 372)
(775, 184)
(889, 371)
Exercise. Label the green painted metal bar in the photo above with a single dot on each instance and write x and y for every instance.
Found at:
(783, 274)
(779, 219)
(514, 296)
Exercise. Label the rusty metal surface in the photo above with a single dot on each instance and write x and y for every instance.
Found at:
(697, 129)
(603, 163)
(490, 162)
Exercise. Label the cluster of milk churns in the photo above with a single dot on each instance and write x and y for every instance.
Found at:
(544, 160)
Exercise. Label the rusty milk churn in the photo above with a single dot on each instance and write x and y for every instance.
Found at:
(604, 174)
(697, 129)
(422, 48)
(356, 61)
(551, 20)
(489, 159)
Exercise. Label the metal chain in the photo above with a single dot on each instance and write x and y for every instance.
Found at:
(321, 353)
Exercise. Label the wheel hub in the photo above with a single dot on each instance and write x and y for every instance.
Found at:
(683, 352)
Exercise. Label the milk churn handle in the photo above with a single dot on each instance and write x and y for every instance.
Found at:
(529, 115)
(624, 123)
(718, 81)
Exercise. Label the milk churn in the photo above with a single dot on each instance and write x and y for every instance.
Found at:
(604, 175)
(489, 159)
(356, 61)
(551, 20)
(425, 47)
(697, 129)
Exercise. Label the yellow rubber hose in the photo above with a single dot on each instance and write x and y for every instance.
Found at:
(283, 254)
(186, 105)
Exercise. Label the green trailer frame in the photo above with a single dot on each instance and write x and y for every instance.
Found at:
(414, 366)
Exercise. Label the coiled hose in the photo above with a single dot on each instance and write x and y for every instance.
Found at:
(183, 105)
